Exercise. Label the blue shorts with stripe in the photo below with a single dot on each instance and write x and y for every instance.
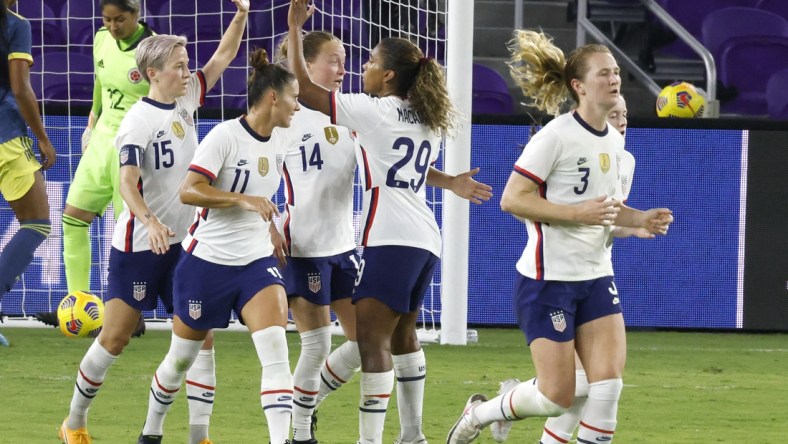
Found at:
(139, 278)
(395, 275)
(554, 309)
(321, 280)
(206, 294)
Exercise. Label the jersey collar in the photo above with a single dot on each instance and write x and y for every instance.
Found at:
(588, 127)
(251, 132)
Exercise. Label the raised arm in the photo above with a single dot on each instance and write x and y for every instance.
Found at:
(228, 46)
(310, 93)
(19, 73)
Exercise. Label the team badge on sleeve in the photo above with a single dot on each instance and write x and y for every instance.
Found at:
(314, 282)
(139, 290)
(559, 321)
(604, 162)
(177, 129)
(195, 309)
(332, 135)
(262, 166)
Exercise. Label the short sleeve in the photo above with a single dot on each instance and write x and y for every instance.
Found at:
(357, 112)
(134, 131)
(20, 45)
(211, 153)
(539, 156)
(629, 173)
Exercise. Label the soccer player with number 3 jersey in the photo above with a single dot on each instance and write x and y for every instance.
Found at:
(566, 187)
(233, 249)
(399, 123)
(155, 144)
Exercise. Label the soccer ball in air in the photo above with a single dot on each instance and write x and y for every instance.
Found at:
(680, 99)
(80, 314)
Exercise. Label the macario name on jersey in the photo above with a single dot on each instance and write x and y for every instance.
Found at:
(408, 116)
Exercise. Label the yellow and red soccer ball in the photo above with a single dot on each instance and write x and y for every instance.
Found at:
(680, 99)
(80, 314)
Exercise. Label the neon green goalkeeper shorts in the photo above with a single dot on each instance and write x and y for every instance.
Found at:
(96, 182)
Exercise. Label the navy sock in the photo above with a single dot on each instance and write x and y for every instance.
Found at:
(18, 253)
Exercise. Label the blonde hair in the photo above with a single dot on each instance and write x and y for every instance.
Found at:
(421, 80)
(313, 44)
(154, 51)
(541, 71)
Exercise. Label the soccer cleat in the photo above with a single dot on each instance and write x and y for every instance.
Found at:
(309, 441)
(149, 439)
(206, 441)
(78, 436)
(500, 429)
(467, 428)
(140, 330)
(48, 318)
(420, 440)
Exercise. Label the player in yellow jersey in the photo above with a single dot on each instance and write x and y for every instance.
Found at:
(118, 85)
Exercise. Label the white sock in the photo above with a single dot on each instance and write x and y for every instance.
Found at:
(411, 373)
(167, 382)
(276, 384)
(340, 366)
(599, 418)
(375, 393)
(201, 390)
(559, 430)
(92, 370)
(522, 401)
(315, 347)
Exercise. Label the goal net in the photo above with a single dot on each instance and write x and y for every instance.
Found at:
(62, 78)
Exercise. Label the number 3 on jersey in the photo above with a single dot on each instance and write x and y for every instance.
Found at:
(421, 166)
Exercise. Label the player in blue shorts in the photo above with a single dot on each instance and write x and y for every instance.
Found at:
(566, 187)
(232, 250)
(21, 182)
(318, 171)
(156, 142)
(399, 123)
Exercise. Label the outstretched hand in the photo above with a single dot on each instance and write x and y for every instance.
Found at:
(465, 186)
(299, 13)
(658, 220)
(243, 5)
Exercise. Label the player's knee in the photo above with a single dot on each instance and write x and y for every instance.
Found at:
(114, 343)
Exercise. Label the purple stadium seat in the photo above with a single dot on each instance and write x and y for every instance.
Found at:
(747, 63)
(690, 15)
(490, 92)
(779, 7)
(777, 95)
(54, 64)
(727, 23)
(44, 23)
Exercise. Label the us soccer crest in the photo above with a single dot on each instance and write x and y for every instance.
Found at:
(135, 76)
(262, 166)
(559, 321)
(314, 282)
(195, 309)
(139, 290)
(604, 162)
(177, 129)
(332, 135)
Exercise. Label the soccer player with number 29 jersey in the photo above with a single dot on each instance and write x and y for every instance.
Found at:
(399, 124)
(155, 144)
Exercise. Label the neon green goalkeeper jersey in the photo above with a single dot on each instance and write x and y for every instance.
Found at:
(120, 81)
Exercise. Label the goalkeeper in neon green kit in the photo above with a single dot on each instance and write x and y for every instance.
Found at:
(118, 85)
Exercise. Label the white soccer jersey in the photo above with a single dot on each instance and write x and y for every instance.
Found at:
(571, 162)
(395, 151)
(238, 160)
(165, 138)
(318, 174)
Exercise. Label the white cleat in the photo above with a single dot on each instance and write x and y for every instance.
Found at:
(500, 429)
(467, 428)
(419, 440)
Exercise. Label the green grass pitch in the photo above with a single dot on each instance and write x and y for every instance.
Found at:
(679, 388)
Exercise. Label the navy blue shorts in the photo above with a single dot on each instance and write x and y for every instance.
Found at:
(554, 309)
(141, 277)
(207, 293)
(397, 276)
(321, 280)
